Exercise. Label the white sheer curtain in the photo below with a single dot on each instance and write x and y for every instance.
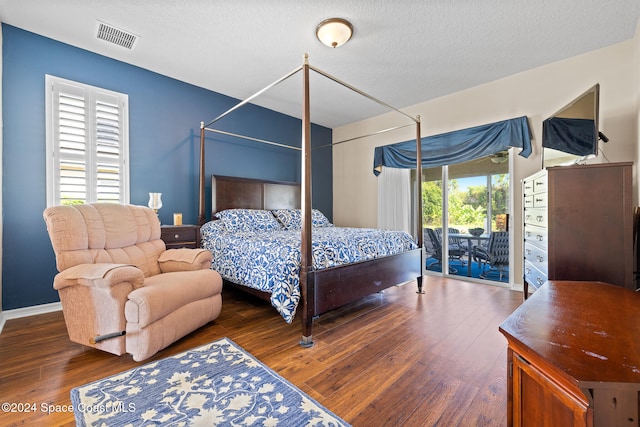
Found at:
(394, 199)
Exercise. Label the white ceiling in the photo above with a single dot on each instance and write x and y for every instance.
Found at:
(403, 52)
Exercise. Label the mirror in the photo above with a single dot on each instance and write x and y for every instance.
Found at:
(571, 135)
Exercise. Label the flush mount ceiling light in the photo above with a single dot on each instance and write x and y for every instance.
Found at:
(334, 32)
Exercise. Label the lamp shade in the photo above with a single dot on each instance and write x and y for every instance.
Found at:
(155, 201)
(334, 32)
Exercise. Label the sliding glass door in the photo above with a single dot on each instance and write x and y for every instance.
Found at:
(460, 217)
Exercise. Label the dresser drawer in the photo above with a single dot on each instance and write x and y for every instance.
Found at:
(536, 235)
(533, 276)
(527, 187)
(528, 201)
(180, 236)
(536, 216)
(540, 200)
(536, 256)
(540, 184)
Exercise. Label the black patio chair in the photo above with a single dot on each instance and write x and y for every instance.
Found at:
(433, 242)
(495, 255)
(457, 246)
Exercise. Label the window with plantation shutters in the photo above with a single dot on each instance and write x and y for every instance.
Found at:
(87, 144)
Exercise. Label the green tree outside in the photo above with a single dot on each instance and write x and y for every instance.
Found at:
(467, 209)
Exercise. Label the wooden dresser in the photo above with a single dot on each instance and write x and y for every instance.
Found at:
(574, 356)
(578, 225)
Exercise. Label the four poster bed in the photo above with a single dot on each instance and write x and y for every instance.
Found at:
(320, 271)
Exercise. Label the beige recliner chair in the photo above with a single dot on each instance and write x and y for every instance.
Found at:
(121, 290)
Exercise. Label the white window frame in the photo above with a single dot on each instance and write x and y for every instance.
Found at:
(91, 95)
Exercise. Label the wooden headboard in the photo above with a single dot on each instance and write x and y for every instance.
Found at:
(230, 193)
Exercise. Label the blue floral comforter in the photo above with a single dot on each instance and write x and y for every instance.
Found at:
(270, 260)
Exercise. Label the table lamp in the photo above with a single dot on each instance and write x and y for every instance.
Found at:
(155, 201)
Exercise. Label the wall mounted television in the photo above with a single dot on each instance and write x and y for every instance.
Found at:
(571, 135)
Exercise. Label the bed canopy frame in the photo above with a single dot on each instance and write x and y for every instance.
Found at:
(310, 282)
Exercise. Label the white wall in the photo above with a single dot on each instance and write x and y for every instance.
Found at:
(536, 93)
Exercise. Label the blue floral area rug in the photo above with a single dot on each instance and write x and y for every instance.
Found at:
(218, 384)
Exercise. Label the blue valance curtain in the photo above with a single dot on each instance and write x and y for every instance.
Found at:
(457, 146)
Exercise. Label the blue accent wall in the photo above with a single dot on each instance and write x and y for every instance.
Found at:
(164, 133)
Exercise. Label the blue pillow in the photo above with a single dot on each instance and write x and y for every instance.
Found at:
(248, 220)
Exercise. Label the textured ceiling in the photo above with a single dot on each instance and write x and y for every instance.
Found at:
(402, 52)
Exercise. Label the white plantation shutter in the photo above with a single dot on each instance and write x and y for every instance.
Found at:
(87, 144)
(108, 152)
(71, 175)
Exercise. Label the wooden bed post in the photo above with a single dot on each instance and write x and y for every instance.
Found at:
(321, 290)
(419, 202)
(306, 259)
(201, 213)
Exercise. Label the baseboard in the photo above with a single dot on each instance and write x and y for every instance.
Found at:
(28, 311)
(517, 287)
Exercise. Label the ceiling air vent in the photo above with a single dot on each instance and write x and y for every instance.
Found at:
(116, 35)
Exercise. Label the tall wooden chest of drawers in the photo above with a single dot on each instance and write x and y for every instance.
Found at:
(578, 225)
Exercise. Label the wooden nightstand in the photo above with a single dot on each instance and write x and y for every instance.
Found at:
(180, 236)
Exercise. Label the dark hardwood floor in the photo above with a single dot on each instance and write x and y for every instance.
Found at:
(392, 359)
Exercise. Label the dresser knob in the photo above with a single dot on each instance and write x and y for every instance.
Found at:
(177, 236)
